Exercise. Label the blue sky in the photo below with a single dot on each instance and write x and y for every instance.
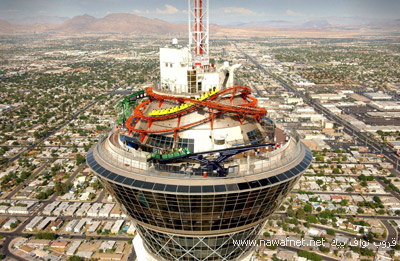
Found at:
(222, 11)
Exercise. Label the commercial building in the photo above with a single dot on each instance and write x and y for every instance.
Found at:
(60, 209)
(93, 227)
(106, 210)
(117, 226)
(81, 224)
(34, 222)
(386, 105)
(72, 208)
(107, 245)
(10, 222)
(74, 246)
(71, 225)
(108, 225)
(94, 210)
(45, 222)
(82, 211)
(378, 96)
(50, 207)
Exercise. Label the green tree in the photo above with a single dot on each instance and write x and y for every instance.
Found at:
(324, 249)
(309, 255)
(308, 208)
(75, 258)
(312, 219)
(330, 232)
(91, 196)
(45, 195)
(377, 199)
(79, 159)
(14, 225)
(370, 237)
(45, 235)
(290, 212)
(300, 214)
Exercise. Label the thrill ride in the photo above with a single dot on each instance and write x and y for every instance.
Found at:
(128, 104)
(217, 104)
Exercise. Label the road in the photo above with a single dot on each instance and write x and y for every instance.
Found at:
(359, 216)
(393, 193)
(295, 249)
(47, 146)
(347, 193)
(392, 232)
(7, 252)
(388, 152)
(101, 196)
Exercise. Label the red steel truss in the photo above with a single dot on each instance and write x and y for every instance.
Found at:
(249, 107)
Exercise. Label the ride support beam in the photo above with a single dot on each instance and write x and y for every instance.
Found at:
(248, 108)
(211, 112)
(240, 120)
(233, 95)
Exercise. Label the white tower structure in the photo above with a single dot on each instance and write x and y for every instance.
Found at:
(187, 70)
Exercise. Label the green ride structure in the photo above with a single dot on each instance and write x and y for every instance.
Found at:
(128, 104)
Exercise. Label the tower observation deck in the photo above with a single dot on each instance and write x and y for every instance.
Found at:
(195, 162)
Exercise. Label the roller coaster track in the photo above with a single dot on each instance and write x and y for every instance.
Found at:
(241, 110)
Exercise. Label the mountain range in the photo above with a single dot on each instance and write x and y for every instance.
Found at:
(119, 23)
(130, 23)
(112, 23)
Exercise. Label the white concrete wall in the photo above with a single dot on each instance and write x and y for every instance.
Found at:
(210, 80)
(174, 66)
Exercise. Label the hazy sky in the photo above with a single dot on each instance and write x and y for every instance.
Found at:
(222, 11)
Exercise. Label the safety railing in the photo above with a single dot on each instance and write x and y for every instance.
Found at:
(137, 163)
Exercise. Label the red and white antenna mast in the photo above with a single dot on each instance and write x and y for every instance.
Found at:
(198, 32)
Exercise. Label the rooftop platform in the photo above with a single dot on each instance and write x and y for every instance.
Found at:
(131, 168)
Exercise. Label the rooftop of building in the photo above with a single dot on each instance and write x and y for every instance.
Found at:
(284, 163)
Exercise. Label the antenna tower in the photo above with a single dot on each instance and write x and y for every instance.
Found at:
(199, 32)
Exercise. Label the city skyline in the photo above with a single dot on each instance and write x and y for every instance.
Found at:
(273, 134)
(60, 96)
(226, 13)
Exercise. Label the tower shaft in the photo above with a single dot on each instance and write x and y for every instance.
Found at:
(199, 32)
